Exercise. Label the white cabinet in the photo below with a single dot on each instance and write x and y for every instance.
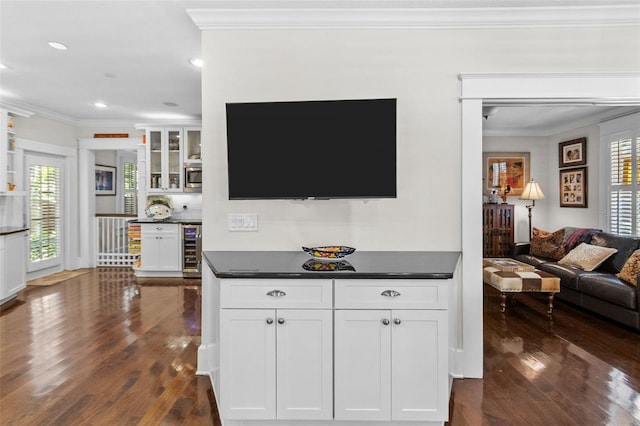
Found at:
(169, 152)
(13, 264)
(160, 247)
(276, 363)
(391, 364)
(164, 160)
(11, 181)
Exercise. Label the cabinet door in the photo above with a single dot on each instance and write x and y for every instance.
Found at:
(362, 365)
(15, 262)
(304, 364)
(247, 364)
(169, 252)
(419, 366)
(174, 162)
(155, 149)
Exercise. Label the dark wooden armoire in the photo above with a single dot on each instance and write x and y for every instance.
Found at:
(497, 229)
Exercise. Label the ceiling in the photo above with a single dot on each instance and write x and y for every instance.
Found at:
(134, 57)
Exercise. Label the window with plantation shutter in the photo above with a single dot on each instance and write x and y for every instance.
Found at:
(130, 191)
(624, 182)
(45, 212)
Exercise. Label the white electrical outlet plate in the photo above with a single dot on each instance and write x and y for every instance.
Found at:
(243, 222)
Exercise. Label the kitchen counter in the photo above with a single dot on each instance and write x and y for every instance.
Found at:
(364, 264)
(172, 220)
(361, 341)
(6, 230)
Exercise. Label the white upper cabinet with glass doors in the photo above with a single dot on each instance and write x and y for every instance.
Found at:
(192, 148)
(164, 160)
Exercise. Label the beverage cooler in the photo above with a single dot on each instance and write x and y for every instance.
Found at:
(192, 251)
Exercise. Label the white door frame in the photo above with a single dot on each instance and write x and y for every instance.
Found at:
(69, 190)
(511, 89)
(87, 191)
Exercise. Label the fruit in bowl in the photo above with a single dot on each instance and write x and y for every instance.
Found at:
(329, 252)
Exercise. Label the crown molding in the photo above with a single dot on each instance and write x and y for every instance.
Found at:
(271, 16)
(31, 110)
(16, 109)
(594, 120)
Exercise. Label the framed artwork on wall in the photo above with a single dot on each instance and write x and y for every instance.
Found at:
(105, 180)
(572, 153)
(500, 169)
(573, 187)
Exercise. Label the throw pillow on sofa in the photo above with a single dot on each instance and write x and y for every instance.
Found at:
(631, 269)
(587, 257)
(547, 244)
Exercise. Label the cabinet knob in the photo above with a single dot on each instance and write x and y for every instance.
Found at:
(397, 321)
(385, 321)
(390, 293)
(280, 320)
(269, 321)
(276, 293)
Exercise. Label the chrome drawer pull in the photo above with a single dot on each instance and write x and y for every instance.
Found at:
(269, 321)
(276, 293)
(280, 320)
(385, 321)
(397, 321)
(390, 293)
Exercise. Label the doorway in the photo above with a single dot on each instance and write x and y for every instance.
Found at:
(496, 89)
(44, 212)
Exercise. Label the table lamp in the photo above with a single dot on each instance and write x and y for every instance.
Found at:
(531, 192)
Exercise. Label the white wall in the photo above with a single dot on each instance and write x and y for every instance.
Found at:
(420, 68)
(541, 161)
(106, 203)
(45, 130)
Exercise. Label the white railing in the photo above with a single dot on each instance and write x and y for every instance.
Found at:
(113, 242)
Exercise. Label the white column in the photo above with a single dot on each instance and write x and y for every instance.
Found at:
(471, 309)
(86, 209)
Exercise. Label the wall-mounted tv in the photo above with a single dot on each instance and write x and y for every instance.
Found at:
(312, 149)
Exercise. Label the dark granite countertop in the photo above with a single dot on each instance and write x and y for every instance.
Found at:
(172, 220)
(6, 230)
(361, 264)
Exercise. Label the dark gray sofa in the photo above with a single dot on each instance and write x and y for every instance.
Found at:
(599, 290)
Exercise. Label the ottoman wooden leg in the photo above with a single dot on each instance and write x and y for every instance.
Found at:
(550, 310)
(503, 302)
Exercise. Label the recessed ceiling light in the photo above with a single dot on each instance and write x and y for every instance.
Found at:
(170, 104)
(58, 45)
(99, 104)
(196, 62)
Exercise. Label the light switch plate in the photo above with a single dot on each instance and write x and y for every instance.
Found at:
(243, 221)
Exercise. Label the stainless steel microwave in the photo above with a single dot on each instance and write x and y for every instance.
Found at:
(193, 179)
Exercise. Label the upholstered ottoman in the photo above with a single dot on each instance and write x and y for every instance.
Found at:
(511, 276)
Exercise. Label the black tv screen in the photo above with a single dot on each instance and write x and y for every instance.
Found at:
(312, 149)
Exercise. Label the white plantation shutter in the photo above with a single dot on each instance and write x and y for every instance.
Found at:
(130, 192)
(45, 213)
(624, 186)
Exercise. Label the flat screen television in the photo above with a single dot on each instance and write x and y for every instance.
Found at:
(312, 149)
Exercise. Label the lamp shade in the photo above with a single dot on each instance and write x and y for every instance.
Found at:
(532, 191)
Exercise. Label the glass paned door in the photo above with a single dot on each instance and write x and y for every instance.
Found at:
(45, 211)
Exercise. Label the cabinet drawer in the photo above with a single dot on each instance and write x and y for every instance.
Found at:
(160, 228)
(391, 294)
(274, 293)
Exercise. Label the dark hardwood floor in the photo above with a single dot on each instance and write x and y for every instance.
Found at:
(106, 348)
